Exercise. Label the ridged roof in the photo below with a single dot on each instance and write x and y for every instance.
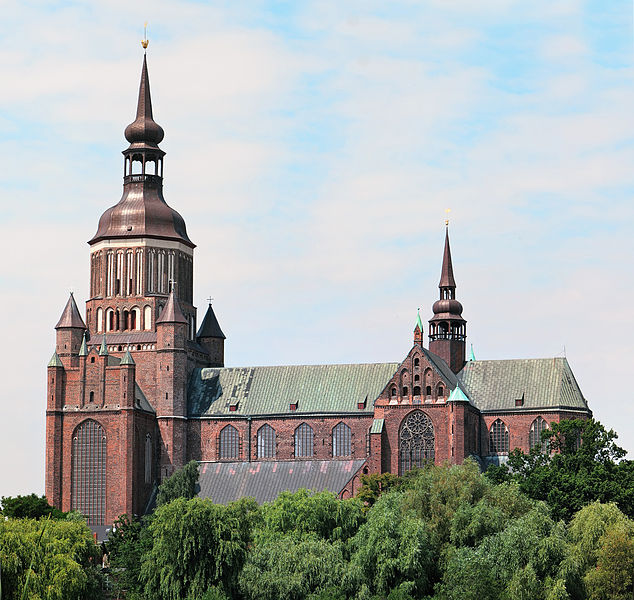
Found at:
(495, 385)
(224, 482)
(271, 390)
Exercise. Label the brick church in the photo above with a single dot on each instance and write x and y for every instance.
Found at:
(136, 389)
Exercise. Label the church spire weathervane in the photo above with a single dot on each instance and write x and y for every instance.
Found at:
(145, 41)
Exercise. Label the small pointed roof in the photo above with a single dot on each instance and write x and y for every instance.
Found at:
(55, 361)
(210, 328)
(127, 359)
(457, 395)
(419, 321)
(144, 129)
(103, 350)
(471, 353)
(83, 350)
(70, 316)
(172, 312)
(446, 275)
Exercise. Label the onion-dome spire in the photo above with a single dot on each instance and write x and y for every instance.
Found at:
(144, 129)
(210, 328)
(172, 312)
(70, 316)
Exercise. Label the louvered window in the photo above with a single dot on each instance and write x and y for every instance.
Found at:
(341, 440)
(304, 441)
(266, 442)
(229, 443)
(499, 438)
(88, 472)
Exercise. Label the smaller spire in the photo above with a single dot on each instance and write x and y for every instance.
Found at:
(70, 316)
(127, 359)
(457, 395)
(55, 361)
(210, 328)
(172, 312)
(83, 350)
(471, 353)
(419, 321)
(446, 275)
(103, 351)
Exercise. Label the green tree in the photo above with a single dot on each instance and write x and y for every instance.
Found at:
(197, 545)
(375, 484)
(393, 547)
(57, 557)
(181, 484)
(29, 507)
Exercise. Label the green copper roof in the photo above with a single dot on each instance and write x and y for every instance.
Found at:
(471, 353)
(544, 383)
(377, 426)
(319, 389)
(103, 351)
(83, 350)
(127, 359)
(419, 321)
(457, 395)
(55, 361)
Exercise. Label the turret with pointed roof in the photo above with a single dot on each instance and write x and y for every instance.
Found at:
(70, 316)
(447, 328)
(70, 331)
(211, 337)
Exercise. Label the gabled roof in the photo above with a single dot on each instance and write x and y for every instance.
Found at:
(322, 389)
(70, 316)
(210, 328)
(543, 383)
(224, 482)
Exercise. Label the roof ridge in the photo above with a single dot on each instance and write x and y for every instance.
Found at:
(306, 365)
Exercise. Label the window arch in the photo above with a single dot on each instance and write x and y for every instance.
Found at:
(304, 438)
(88, 472)
(266, 442)
(147, 318)
(341, 440)
(99, 320)
(109, 319)
(229, 443)
(416, 443)
(499, 438)
(535, 434)
(148, 458)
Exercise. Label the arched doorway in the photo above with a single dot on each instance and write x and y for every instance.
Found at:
(416, 442)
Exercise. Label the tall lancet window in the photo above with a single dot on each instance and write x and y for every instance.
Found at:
(416, 444)
(119, 281)
(161, 272)
(499, 438)
(151, 271)
(266, 442)
(148, 458)
(341, 440)
(129, 277)
(88, 472)
(139, 273)
(304, 438)
(109, 274)
(170, 267)
(229, 443)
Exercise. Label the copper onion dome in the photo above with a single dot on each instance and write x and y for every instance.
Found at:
(142, 210)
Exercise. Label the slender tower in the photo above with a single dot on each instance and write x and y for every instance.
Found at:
(447, 328)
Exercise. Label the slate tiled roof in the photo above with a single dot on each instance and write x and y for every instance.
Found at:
(227, 481)
(134, 337)
(495, 385)
(320, 389)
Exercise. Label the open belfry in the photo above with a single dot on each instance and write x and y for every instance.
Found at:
(136, 389)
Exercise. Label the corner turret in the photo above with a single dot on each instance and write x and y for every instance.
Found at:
(211, 337)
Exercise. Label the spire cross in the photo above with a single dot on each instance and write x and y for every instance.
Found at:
(209, 300)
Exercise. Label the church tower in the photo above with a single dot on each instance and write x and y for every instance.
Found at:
(447, 328)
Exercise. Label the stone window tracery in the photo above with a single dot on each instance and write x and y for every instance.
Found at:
(88, 472)
(416, 441)
(499, 438)
(341, 440)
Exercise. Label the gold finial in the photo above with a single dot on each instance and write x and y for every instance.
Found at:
(145, 41)
(447, 211)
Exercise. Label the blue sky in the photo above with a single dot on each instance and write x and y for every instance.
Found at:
(312, 148)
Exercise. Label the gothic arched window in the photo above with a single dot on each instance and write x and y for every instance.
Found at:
(535, 434)
(416, 443)
(266, 442)
(229, 443)
(499, 438)
(304, 441)
(341, 440)
(88, 472)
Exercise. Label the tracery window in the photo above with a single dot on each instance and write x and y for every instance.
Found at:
(341, 440)
(535, 434)
(229, 443)
(304, 437)
(266, 442)
(499, 438)
(88, 472)
(416, 443)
